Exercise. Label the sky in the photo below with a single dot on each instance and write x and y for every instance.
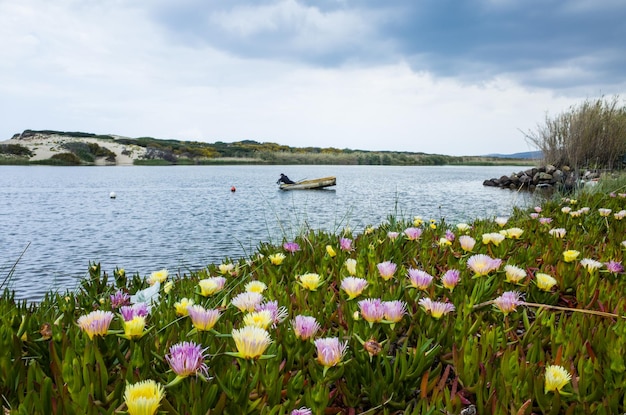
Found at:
(435, 76)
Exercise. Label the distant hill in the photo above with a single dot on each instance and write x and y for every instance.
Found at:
(528, 155)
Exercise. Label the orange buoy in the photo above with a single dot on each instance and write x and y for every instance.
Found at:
(233, 189)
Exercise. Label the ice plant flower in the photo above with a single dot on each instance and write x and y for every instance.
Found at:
(301, 411)
(570, 255)
(182, 305)
(247, 301)
(330, 351)
(463, 227)
(557, 232)
(134, 329)
(255, 286)
(433, 224)
(345, 244)
(419, 279)
(614, 267)
(501, 221)
(331, 251)
(168, 287)
(291, 247)
(514, 274)
(226, 268)
(443, 242)
(556, 378)
(120, 298)
(305, 327)
(158, 276)
(412, 233)
(311, 281)
(144, 397)
(545, 221)
(508, 302)
(450, 235)
(590, 264)
(467, 242)
(278, 314)
(129, 312)
(277, 259)
(620, 215)
(534, 215)
(451, 278)
(392, 235)
(96, 323)
(513, 233)
(393, 311)
(604, 212)
(262, 319)
(372, 310)
(186, 359)
(203, 319)
(437, 309)
(566, 209)
(545, 282)
(418, 221)
(251, 342)
(211, 285)
(353, 286)
(351, 266)
(386, 269)
(482, 264)
(493, 238)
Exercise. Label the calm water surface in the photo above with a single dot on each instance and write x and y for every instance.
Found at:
(185, 217)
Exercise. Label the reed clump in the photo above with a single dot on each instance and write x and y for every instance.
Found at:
(523, 314)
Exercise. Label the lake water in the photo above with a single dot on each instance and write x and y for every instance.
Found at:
(185, 217)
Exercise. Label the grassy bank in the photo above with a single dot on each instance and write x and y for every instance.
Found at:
(512, 315)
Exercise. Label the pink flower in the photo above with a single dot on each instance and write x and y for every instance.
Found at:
(392, 235)
(345, 244)
(330, 351)
(129, 312)
(437, 309)
(372, 310)
(353, 286)
(451, 278)
(467, 242)
(614, 267)
(534, 215)
(545, 221)
(482, 264)
(291, 247)
(187, 358)
(420, 279)
(412, 234)
(278, 314)
(247, 301)
(203, 319)
(301, 411)
(450, 235)
(305, 327)
(508, 302)
(386, 269)
(394, 310)
(120, 298)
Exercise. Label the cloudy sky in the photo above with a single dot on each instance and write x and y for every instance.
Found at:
(437, 76)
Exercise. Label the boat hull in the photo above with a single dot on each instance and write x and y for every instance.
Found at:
(311, 184)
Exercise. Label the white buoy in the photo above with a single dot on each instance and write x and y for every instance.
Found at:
(112, 195)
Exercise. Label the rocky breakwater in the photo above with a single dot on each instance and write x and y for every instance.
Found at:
(546, 177)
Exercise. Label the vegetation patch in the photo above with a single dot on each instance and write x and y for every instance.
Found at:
(520, 314)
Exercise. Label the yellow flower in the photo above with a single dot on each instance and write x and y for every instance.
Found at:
(331, 251)
(494, 238)
(158, 276)
(566, 209)
(513, 233)
(417, 221)
(262, 319)
(604, 212)
(501, 221)
(168, 287)
(143, 398)
(211, 285)
(570, 255)
(310, 281)
(277, 259)
(463, 227)
(181, 306)
(351, 266)
(251, 341)
(544, 281)
(255, 286)
(226, 268)
(514, 274)
(133, 329)
(443, 242)
(556, 378)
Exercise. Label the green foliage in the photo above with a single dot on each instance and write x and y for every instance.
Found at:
(591, 135)
(88, 152)
(61, 159)
(15, 149)
(475, 355)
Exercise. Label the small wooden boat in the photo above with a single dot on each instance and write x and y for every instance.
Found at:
(310, 184)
